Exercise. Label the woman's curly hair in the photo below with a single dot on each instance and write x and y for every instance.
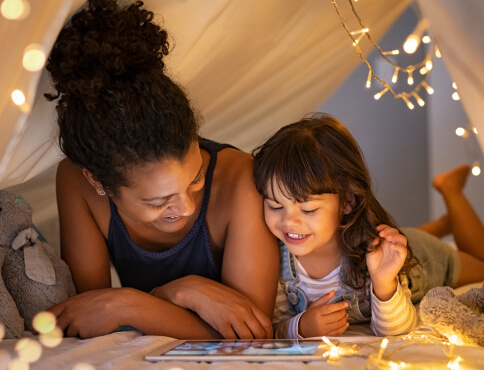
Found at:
(117, 109)
(318, 155)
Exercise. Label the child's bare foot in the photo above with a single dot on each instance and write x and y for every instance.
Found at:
(453, 180)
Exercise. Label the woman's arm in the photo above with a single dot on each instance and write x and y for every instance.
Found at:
(243, 304)
(99, 309)
(251, 255)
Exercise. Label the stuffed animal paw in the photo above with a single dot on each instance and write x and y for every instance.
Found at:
(460, 315)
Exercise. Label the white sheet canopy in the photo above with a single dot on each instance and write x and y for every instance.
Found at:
(249, 67)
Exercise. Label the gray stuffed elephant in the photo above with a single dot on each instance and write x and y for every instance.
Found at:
(33, 277)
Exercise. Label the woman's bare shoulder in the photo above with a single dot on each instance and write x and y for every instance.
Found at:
(71, 179)
(234, 168)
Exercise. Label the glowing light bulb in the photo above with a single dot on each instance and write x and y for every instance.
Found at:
(419, 100)
(15, 9)
(426, 39)
(437, 52)
(408, 102)
(410, 78)
(411, 44)
(429, 89)
(455, 96)
(395, 75)
(368, 80)
(34, 58)
(412, 41)
(18, 97)
(476, 170)
(454, 85)
(44, 322)
(18, 364)
(423, 70)
(83, 366)
(52, 338)
(428, 64)
(380, 94)
(475, 130)
(460, 131)
(28, 350)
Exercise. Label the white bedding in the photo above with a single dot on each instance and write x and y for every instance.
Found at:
(125, 350)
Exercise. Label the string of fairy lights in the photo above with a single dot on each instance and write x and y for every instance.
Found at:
(418, 36)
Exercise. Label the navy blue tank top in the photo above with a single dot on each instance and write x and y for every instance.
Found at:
(145, 270)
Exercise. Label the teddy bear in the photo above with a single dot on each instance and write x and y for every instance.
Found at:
(460, 315)
(33, 277)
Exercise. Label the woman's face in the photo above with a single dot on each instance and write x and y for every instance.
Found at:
(162, 194)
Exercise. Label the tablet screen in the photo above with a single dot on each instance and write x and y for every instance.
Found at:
(246, 347)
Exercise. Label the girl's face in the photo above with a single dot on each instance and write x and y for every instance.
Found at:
(305, 228)
(162, 194)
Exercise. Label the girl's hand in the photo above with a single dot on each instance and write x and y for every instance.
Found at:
(229, 312)
(322, 318)
(385, 262)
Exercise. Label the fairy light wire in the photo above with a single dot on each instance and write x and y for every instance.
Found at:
(365, 32)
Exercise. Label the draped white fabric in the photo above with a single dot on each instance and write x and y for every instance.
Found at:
(458, 29)
(249, 66)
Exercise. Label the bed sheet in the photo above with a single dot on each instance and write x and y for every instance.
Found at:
(125, 350)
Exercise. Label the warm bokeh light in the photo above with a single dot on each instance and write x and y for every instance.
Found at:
(460, 131)
(426, 39)
(83, 366)
(44, 322)
(475, 130)
(34, 57)
(476, 170)
(53, 338)
(15, 9)
(428, 65)
(18, 97)
(454, 85)
(28, 350)
(18, 364)
(411, 44)
(455, 96)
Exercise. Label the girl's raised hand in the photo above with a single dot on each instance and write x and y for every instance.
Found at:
(385, 262)
(323, 318)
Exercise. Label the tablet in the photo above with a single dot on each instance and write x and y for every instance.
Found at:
(255, 350)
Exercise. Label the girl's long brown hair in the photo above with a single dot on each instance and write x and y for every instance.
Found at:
(319, 155)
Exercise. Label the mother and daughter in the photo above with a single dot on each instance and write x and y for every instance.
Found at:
(193, 239)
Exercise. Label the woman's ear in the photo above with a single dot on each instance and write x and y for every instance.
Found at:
(350, 203)
(92, 180)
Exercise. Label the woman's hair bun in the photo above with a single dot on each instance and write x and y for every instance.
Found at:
(102, 43)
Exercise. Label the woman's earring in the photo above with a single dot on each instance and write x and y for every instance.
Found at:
(102, 192)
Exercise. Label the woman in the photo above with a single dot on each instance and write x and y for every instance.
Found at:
(178, 216)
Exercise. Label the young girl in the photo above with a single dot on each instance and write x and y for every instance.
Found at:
(174, 214)
(343, 260)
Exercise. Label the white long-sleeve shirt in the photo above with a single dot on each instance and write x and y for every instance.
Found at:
(393, 317)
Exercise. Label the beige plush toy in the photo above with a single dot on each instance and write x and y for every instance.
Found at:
(460, 315)
(33, 277)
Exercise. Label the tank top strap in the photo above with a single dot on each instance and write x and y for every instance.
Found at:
(212, 147)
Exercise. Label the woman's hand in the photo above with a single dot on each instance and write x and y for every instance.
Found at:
(93, 313)
(323, 318)
(385, 262)
(229, 312)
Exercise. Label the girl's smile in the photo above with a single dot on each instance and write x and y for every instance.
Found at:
(305, 227)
